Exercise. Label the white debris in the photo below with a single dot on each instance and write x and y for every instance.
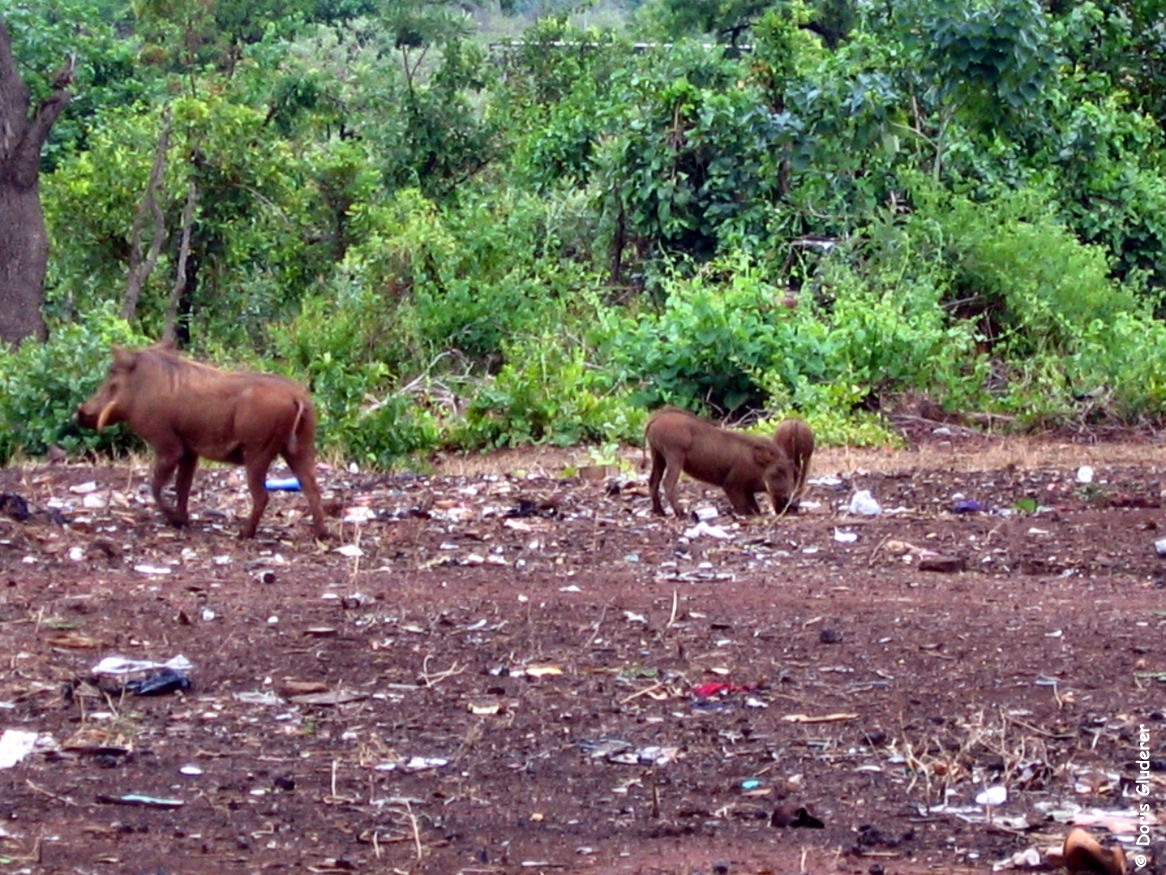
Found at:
(864, 504)
(15, 745)
(703, 528)
(996, 795)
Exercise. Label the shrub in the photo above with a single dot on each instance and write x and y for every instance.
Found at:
(1028, 282)
(42, 384)
(548, 393)
(709, 341)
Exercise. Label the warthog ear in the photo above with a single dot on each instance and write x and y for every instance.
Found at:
(105, 416)
(763, 457)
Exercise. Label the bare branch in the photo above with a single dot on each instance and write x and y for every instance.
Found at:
(140, 269)
(171, 332)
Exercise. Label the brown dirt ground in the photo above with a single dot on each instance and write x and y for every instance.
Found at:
(501, 669)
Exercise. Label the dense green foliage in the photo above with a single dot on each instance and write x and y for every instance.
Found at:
(514, 225)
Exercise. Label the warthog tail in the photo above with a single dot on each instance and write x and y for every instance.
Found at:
(293, 438)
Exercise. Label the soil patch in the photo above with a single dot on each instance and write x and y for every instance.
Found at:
(498, 668)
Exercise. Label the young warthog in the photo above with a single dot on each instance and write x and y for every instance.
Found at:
(741, 464)
(797, 440)
(185, 410)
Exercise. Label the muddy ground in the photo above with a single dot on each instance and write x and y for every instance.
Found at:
(499, 668)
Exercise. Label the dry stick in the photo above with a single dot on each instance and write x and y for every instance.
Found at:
(675, 605)
(356, 558)
(644, 692)
(416, 830)
(595, 628)
(36, 855)
(37, 789)
(432, 680)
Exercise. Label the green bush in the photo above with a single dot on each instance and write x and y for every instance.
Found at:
(1119, 367)
(42, 384)
(362, 417)
(547, 393)
(1029, 284)
(715, 333)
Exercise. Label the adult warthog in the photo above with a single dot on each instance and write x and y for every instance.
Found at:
(186, 410)
(741, 464)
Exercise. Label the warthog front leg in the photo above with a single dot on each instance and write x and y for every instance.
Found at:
(164, 467)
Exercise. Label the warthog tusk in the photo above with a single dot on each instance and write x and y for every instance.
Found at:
(105, 415)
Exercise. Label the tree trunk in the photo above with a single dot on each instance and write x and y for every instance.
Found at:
(24, 244)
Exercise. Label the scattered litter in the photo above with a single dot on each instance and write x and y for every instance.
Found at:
(351, 551)
(321, 631)
(703, 528)
(845, 537)
(1160, 546)
(1029, 858)
(120, 665)
(336, 697)
(1118, 822)
(284, 484)
(412, 764)
(1085, 474)
(139, 800)
(153, 569)
(624, 753)
(827, 481)
(704, 514)
(788, 817)
(257, 697)
(190, 771)
(944, 564)
(15, 745)
(159, 683)
(967, 505)
(142, 677)
(864, 504)
(721, 688)
(537, 671)
(836, 717)
(991, 796)
(359, 514)
(84, 488)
